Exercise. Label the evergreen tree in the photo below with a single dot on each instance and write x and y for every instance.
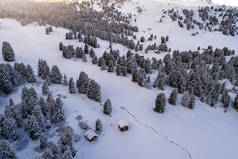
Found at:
(66, 141)
(191, 102)
(6, 150)
(107, 108)
(235, 103)
(160, 103)
(43, 141)
(135, 75)
(37, 112)
(67, 155)
(29, 100)
(33, 127)
(173, 97)
(67, 53)
(55, 75)
(94, 60)
(110, 66)
(82, 83)
(43, 69)
(79, 52)
(45, 88)
(98, 126)
(55, 151)
(49, 106)
(56, 112)
(124, 71)
(72, 88)
(7, 52)
(61, 46)
(47, 154)
(65, 80)
(92, 53)
(42, 105)
(225, 99)
(118, 70)
(86, 49)
(94, 91)
(9, 129)
(30, 77)
(103, 64)
(84, 58)
(185, 99)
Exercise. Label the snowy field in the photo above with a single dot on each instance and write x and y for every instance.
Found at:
(179, 133)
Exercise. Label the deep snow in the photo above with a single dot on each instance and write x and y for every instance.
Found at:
(204, 132)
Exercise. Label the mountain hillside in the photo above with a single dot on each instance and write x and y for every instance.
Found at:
(73, 76)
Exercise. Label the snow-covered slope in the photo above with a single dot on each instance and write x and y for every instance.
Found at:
(202, 133)
(179, 133)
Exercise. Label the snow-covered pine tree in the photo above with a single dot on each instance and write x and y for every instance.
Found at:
(57, 112)
(47, 154)
(67, 155)
(94, 60)
(61, 46)
(37, 112)
(98, 126)
(7, 52)
(160, 103)
(110, 66)
(43, 141)
(9, 129)
(65, 80)
(185, 99)
(173, 97)
(92, 53)
(107, 107)
(225, 99)
(79, 52)
(30, 77)
(82, 83)
(55, 75)
(135, 75)
(43, 69)
(192, 101)
(118, 70)
(72, 88)
(42, 105)
(55, 150)
(235, 103)
(103, 64)
(94, 91)
(49, 105)
(33, 127)
(6, 150)
(66, 141)
(86, 49)
(45, 88)
(29, 100)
